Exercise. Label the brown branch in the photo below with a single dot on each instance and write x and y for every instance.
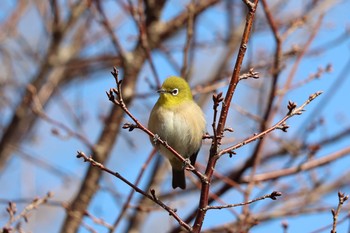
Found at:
(37, 109)
(151, 196)
(204, 196)
(98, 221)
(217, 99)
(272, 196)
(109, 29)
(268, 115)
(190, 28)
(140, 20)
(23, 120)
(293, 110)
(137, 218)
(299, 59)
(341, 199)
(236, 71)
(324, 228)
(212, 86)
(303, 167)
(11, 209)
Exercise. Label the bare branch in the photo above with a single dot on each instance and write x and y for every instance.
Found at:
(341, 199)
(151, 196)
(293, 110)
(272, 196)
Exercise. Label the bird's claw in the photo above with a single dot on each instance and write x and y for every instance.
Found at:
(155, 139)
(186, 163)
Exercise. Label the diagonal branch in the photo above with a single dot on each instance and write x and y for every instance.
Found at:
(293, 110)
(118, 101)
(151, 196)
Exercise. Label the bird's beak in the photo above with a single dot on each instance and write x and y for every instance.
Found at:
(162, 91)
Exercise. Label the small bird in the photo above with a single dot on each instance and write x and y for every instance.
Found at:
(179, 121)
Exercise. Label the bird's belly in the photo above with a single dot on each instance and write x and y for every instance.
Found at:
(175, 130)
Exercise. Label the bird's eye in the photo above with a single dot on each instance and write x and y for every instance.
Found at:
(175, 91)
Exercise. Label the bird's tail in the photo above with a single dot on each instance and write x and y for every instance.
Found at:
(179, 179)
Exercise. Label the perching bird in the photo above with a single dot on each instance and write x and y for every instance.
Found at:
(178, 120)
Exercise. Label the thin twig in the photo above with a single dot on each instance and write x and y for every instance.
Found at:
(341, 199)
(24, 214)
(272, 196)
(107, 26)
(324, 228)
(293, 110)
(317, 75)
(298, 60)
(212, 86)
(37, 109)
(138, 16)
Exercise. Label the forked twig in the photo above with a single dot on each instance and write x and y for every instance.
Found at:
(341, 199)
(292, 111)
(12, 209)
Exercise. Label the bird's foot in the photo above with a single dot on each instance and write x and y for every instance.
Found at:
(155, 139)
(186, 164)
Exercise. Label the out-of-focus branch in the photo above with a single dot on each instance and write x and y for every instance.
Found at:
(190, 29)
(299, 148)
(144, 38)
(299, 58)
(303, 167)
(137, 219)
(340, 79)
(131, 194)
(12, 210)
(37, 108)
(23, 120)
(102, 150)
(180, 20)
(109, 29)
(254, 160)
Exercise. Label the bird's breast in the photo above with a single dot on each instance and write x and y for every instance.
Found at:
(182, 127)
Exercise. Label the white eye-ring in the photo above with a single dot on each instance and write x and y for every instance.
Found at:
(175, 91)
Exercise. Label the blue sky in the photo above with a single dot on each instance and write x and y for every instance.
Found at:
(26, 180)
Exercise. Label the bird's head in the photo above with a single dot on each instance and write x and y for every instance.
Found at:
(174, 91)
